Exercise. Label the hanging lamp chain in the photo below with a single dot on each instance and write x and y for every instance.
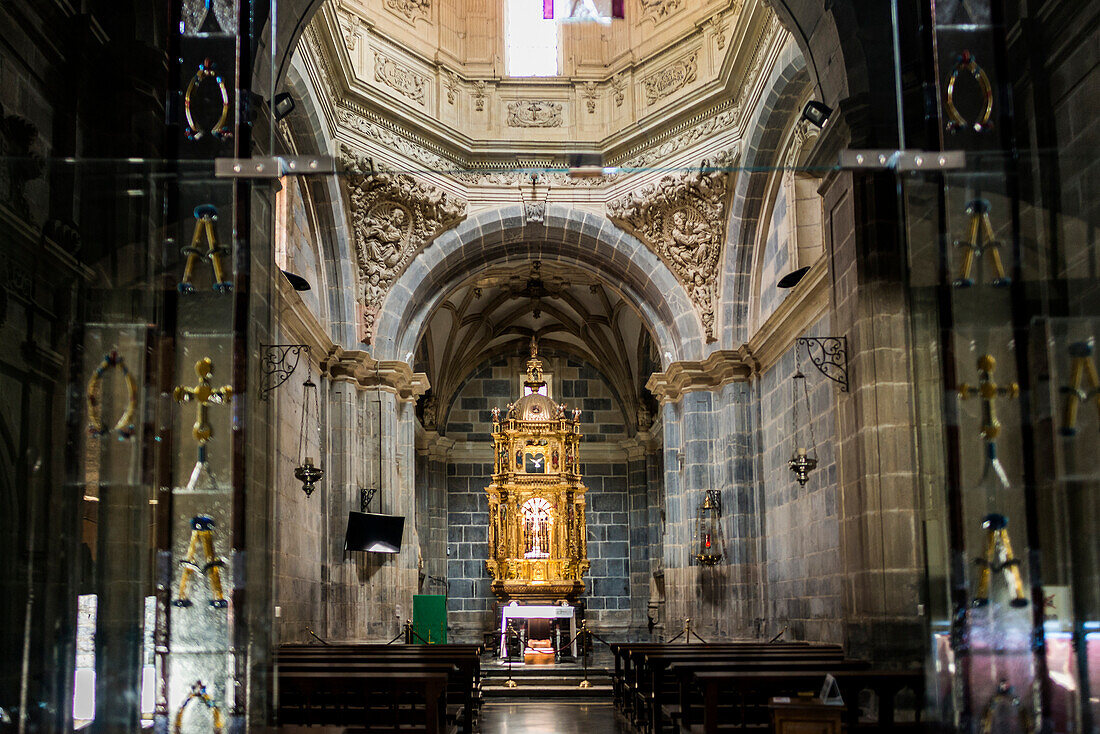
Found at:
(799, 375)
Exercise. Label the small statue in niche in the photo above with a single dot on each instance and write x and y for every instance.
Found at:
(511, 411)
(519, 458)
(561, 412)
(554, 459)
(576, 415)
(496, 414)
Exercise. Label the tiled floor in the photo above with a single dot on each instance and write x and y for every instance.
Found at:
(551, 717)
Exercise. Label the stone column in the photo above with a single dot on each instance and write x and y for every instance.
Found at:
(693, 401)
(371, 594)
(432, 451)
(638, 514)
(881, 534)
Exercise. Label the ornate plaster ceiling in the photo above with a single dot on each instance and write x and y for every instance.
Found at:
(424, 81)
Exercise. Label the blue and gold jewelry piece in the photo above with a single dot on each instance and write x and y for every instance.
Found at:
(980, 242)
(965, 62)
(193, 130)
(1083, 366)
(999, 558)
(206, 215)
(198, 693)
(125, 424)
(202, 533)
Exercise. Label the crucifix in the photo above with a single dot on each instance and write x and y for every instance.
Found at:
(203, 395)
(988, 390)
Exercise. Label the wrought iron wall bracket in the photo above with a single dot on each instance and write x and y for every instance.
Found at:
(277, 364)
(829, 355)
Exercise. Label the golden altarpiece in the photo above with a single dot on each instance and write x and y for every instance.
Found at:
(537, 535)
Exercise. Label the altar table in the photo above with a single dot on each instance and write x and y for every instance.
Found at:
(538, 611)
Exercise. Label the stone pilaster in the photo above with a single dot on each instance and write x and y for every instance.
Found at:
(638, 514)
(369, 596)
(698, 428)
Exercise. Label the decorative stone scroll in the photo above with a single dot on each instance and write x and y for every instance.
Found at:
(682, 217)
(672, 78)
(534, 113)
(410, 9)
(659, 9)
(394, 217)
(399, 77)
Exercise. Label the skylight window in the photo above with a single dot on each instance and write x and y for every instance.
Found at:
(531, 41)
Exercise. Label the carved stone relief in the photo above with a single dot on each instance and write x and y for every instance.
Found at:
(450, 83)
(534, 113)
(590, 92)
(410, 9)
(672, 78)
(618, 86)
(394, 217)
(659, 9)
(391, 140)
(682, 217)
(534, 211)
(399, 77)
(479, 95)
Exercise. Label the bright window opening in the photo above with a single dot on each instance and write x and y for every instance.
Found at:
(531, 42)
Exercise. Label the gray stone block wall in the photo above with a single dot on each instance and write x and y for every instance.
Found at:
(498, 382)
(801, 525)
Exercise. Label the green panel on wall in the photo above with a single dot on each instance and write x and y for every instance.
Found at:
(430, 618)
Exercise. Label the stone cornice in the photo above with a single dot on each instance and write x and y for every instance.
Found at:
(802, 306)
(366, 373)
(720, 368)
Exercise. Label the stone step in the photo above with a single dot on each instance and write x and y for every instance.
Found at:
(596, 691)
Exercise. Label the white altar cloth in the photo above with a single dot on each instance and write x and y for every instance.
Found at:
(538, 611)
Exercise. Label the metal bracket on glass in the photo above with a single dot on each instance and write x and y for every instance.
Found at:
(277, 365)
(829, 355)
(273, 166)
(901, 160)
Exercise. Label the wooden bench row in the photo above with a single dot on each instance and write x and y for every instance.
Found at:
(379, 688)
(658, 686)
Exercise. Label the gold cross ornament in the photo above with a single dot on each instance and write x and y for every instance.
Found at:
(988, 391)
(203, 395)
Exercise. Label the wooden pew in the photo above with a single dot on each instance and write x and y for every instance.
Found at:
(653, 686)
(377, 701)
(462, 665)
(624, 676)
(744, 690)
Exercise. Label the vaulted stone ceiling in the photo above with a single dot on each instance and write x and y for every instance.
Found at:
(569, 311)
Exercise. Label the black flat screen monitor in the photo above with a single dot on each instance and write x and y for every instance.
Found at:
(374, 533)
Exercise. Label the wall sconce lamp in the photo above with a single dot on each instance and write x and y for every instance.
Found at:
(708, 530)
(306, 472)
(804, 457)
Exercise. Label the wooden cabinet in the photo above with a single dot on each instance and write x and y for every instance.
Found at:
(804, 716)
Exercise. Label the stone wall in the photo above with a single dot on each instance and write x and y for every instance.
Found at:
(498, 382)
(801, 531)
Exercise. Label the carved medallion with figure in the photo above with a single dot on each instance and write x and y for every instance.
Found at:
(394, 217)
(682, 218)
